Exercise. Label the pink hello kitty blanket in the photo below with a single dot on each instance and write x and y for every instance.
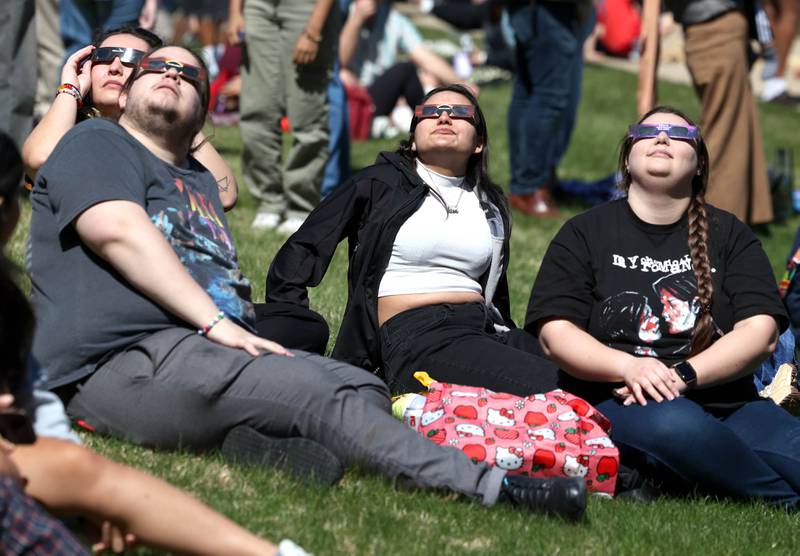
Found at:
(544, 435)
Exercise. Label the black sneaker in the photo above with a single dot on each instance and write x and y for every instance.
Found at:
(634, 487)
(559, 496)
(306, 459)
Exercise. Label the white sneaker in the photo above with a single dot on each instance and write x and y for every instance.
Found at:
(266, 221)
(289, 548)
(402, 117)
(290, 225)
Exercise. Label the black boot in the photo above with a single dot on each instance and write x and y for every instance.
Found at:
(559, 496)
(306, 459)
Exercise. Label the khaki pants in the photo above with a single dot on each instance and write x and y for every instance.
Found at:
(716, 52)
(49, 53)
(272, 85)
(17, 68)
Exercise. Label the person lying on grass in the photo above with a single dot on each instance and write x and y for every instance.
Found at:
(429, 235)
(676, 377)
(91, 81)
(164, 352)
(69, 479)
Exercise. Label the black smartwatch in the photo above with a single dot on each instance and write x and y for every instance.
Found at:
(687, 373)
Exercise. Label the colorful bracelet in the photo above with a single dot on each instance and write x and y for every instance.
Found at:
(72, 90)
(206, 329)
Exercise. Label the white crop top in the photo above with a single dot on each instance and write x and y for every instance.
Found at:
(439, 252)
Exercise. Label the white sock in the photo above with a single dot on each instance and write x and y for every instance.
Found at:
(773, 87)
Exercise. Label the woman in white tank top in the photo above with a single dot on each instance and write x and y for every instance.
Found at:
(428, 233)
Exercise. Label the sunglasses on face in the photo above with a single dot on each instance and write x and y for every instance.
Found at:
(106, 54)
(455, 111)
(162, 65)
(680, 132)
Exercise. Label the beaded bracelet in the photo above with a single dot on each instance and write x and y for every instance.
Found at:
(206, 329)
(71, 89)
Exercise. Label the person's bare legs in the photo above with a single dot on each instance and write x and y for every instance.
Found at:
(784, 15)
(70, 479)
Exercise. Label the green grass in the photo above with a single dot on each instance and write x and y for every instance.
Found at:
(365, 514)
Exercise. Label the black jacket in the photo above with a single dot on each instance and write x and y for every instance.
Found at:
(368, 210)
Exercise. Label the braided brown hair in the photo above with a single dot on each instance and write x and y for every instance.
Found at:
(698, 228)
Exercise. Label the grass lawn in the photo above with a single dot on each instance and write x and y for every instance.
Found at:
(365, 514)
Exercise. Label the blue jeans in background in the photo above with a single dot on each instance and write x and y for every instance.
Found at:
(337, 169)
(748, 452)
(546, 90)
(82, 19)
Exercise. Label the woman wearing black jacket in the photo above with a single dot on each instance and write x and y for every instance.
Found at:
(428, 243)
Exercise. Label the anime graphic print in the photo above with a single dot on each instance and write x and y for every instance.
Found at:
(657, 319)
(201, 239)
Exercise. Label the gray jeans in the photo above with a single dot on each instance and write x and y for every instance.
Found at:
(177, 389)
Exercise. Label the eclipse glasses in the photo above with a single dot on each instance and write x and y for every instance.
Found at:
(454, 111)
(162, 65)
(680, 132)
(106, 54)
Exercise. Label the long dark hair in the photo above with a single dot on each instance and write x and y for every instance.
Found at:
(478, 164)
(153, 41)
(623, 313)
(16, 316)
(698, 228)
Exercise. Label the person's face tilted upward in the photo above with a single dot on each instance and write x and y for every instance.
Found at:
(166, 101)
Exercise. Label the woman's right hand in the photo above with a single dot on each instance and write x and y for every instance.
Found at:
(75, 74)
(235, 28)
(648, 377)
(230, 334)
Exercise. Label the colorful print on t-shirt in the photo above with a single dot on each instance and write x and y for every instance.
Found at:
(204, 247)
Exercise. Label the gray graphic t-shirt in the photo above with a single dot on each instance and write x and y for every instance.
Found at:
(85, 309)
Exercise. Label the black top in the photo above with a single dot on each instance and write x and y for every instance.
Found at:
(630, 284)
(368, 210)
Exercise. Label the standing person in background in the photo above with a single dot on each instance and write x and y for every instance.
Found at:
(784, 15)
(287, 61)
(210, 14)
(49, 54)
(81, 20)
(17, 68)
(716, 43)
(337, 169)
(545, 97)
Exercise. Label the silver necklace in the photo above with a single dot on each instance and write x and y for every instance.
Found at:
(450, 209)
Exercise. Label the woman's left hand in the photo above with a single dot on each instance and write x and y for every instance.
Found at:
(624, 393)
(305, 50)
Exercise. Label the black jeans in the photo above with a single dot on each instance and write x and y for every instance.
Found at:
(292, 326)
(458, 344)
(400, 80)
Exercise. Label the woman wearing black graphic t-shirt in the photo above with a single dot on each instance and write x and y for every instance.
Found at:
(658, 307)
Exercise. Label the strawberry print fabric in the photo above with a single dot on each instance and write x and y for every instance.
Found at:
(543, 435)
